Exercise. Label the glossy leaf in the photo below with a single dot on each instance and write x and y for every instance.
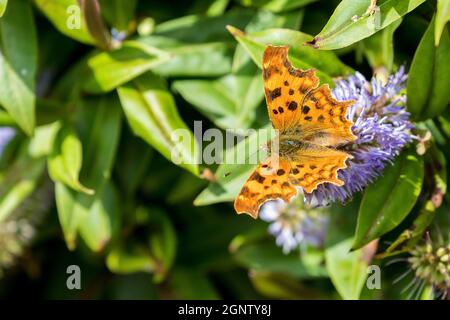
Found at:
(379, 48)
(108, 70)
(162, 241)
(390, 199)
(98, 226)
(348, 270)
(230, 101)
(350, 23)
(326, 63)
(67, 17)
(95, 24)
(95, 217)
(18, 63)
(119, 13)
(200, 29)
(409, 237)
(130, 258)
(282, 286)
(153, 116)
(276, 5)
(265, 256)
(3, 4)
(427, 86)
(437, 168)
(189, 283)
(64, 163)
(41, 145)
(188, 60)
(239, 162)
(19, 180)
(442, 17)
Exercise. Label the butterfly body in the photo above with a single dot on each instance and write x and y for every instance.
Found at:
(310, 125)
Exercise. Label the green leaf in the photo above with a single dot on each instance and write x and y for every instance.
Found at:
(108, 70)
(95, 217)
(326, 63)
(3, 4)
(265, 256)
(230, 101)
(379, 48)
(189, 283)
(152, 114)
(349, 22)
(276, 5)
(409, 237)
(133, 160)
(130, 258)
(282, 286)
(44, 137)
(67, 17)
(442, 17)
(188, 60)
(64, 163)
(118, 13)
(98, 226)
(95, 23)
(19, 180)
(162, 241)
(18, 64)
(217, 8)
(237, 164)
(427, 87)
(201, 29)
(390, 199)
(348, 270)
(437, 168)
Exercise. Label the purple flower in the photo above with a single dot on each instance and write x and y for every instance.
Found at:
(382, 127)
(6, 134)
(293, 224)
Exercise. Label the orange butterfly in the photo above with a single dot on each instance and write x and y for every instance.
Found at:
(310, 123)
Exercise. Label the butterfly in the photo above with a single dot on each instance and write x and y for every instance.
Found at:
(311, 124)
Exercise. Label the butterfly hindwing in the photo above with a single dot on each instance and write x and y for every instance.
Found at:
(270, 180)
(316, 165)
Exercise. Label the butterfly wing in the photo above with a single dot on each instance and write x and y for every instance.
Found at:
(285, 87)
(315, 165)
(296, 105)
(270, 180)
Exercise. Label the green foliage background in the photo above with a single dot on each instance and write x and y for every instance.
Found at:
(89, 172)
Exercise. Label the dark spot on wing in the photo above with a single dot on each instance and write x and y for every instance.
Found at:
(305, 109)
(292, 105)
(259, 178)
(273, 94)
